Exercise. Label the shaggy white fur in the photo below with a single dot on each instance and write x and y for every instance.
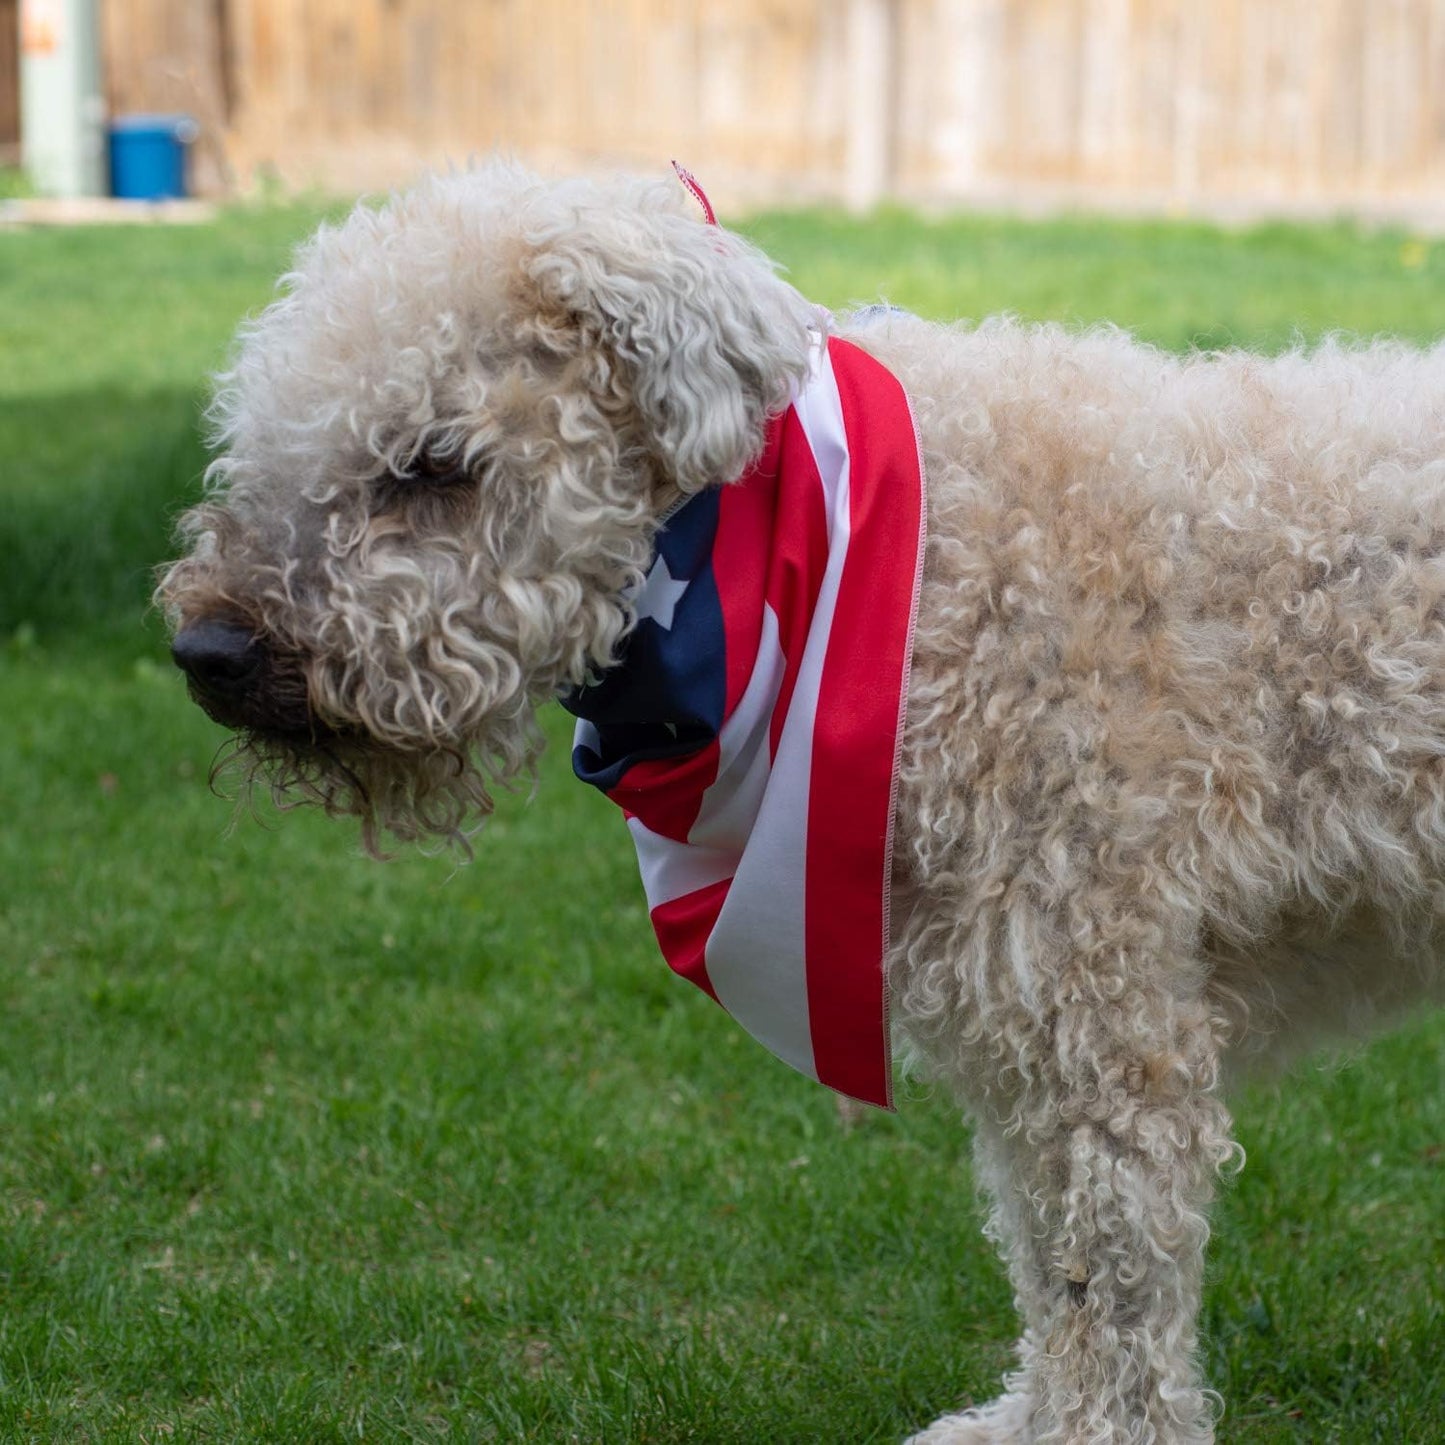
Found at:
(1173, 790)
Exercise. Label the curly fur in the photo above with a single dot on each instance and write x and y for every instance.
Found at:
(1173, 786)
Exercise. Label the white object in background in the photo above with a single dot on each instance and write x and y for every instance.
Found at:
(62, 109)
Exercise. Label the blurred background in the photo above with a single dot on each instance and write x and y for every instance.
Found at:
(1230, 109)
(298, 1147)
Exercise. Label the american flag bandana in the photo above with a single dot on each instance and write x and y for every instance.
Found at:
(751, 729)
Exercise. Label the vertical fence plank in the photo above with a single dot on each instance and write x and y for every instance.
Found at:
(9, 81)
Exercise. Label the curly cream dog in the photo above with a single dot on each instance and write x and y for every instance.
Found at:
(1173, 781)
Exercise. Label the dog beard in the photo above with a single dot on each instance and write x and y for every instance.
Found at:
(443, 793)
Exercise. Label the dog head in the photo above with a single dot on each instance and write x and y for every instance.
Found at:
(442, 457)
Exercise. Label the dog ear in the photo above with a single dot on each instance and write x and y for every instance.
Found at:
(709, 340)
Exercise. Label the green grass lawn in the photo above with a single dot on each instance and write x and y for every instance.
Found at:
(300, 1147)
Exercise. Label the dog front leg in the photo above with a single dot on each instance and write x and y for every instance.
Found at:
(1130, 1137)
(1002, 1171)
(1101, 1154)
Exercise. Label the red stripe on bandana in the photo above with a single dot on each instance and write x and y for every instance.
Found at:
(683, 926)
(800, 558)
(860, 699)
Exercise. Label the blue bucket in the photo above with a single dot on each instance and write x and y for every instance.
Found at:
(148, 156)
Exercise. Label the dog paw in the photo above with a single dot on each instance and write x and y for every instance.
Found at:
(1005, 1421)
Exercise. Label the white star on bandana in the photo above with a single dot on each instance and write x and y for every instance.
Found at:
(659, 595)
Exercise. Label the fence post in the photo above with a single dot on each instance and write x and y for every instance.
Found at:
(870, 104)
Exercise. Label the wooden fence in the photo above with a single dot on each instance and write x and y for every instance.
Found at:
(9, 82)
(1315, 103)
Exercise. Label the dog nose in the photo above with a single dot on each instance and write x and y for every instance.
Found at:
(219, 657)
